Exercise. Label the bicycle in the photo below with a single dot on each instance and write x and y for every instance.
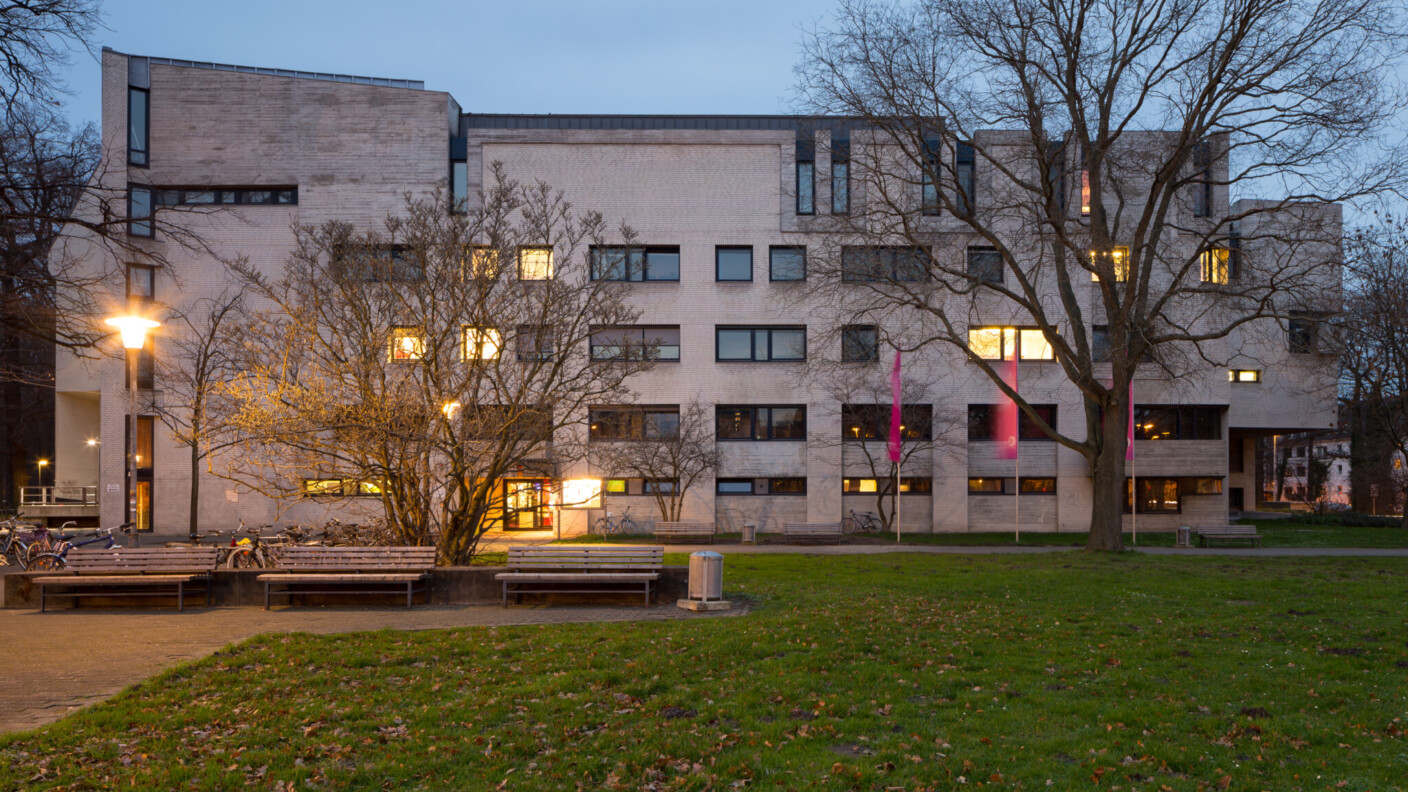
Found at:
(865, 522)
(58, 559)
(44, 541)
(13, 548)
(605, 526)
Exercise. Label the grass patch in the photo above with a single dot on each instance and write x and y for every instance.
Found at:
(1325, 532)
(870, 672)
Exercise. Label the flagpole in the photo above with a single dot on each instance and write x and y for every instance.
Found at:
(1017, 477)
(897, 503)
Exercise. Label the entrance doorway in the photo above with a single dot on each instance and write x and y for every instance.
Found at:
(526, 505)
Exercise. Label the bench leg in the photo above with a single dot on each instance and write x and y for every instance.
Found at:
(41, 598)
(180, 596)
(266, 595)
(505, 600)
(409, 595)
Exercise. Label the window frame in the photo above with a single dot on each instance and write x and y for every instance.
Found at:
(840, 157)
(874, 421)
(965, 161)
(931, 156)
(986, 250)
(525, 333)
(1302, 335)
(637, 423)
(145, 150)
(982, 423)
(485, 336)
(893, 256)
(625, 354)
(849, 344)
(1003, 486)
(1013, 346)
(805, 162)
(1131, 499)
(756, 424)
(595, 253)
(520, 262)
(773, 250)
(1240, 376)
(410, 355)
(909, 485)
(145, 225)
(1189, 420)
(753, 345)
(225, 195)
(719, 251)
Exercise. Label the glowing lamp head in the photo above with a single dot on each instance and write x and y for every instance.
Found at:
(133, 330)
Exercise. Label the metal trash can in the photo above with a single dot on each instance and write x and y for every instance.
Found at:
(706, 576)
(750, 533)
(1185, 536)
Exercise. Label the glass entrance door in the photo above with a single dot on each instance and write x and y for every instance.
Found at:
(526, 505)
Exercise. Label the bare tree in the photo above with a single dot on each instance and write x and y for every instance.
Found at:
(683, 456)
(199, 363)
(424, 363)
(36, 37)
(1016, 127)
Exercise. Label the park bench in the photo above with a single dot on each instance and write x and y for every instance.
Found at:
(563, 569)
(685, 530)
(352, 571)
(130, 572)
(812, 532)
(1228, 533)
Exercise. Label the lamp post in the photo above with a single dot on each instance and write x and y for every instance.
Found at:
(133, 330)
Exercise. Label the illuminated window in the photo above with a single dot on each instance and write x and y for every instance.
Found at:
(909, 485)
(483, 262)
(1084, 193)
(482, 343)
(1002, 343)
(535, 263)
(1034, 346)
(761, 423)
(616, 486)
(339, 488)
(1155, 495)
(1038, 486)
(407, 343)
(872, 421)
(989, 486)
(1244, 375)
(1213, 265)
(1118, 258)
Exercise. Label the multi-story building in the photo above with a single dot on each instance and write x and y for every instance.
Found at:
(733, 208)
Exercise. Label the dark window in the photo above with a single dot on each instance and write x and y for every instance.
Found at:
(806, 177)
(1302, 335)
(1200, 485)
(1027, 429)
(661, 486)
(1234, 254)
(761, 423)
(1236, 455)
(1155, 495)
(965, 173)
(139, 211)
(459, 187)
(760, 343)
(787, 263)
(733, 486)
(985, 264)
(902, 264)
(227, 196)
(840, 175)
(636, 343)
(787, 486)
(1157, 422)
(1202, 181)
(146, 364)
(141, 284)
(929, 178)
(872, 421)
(620, 263)
(1056, 175)
(860, 344)
(990, 486)
(1038, 486)
(395, 264)
(138, 126)
(535, 342)
(982, 422)
(633, 423)
(1100, 343)
(733, 263)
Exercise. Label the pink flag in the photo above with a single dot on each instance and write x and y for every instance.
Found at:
(1129, 433)
(895, 410)
(1007, 420)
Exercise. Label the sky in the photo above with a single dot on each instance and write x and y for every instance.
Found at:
(508, 56)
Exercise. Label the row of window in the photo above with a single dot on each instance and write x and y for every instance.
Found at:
(660, 263)
(143, 200)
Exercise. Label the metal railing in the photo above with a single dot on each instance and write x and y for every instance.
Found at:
(40, 497)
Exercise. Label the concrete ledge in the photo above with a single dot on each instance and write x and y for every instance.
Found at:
(448, 586)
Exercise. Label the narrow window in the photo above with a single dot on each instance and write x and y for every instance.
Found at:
(860, 344)
(965, 173)
(985, 264)
(840, 175)
(139, 211)
(929, 178)
(787, 486)
(990, 486)
(1056, 175)
(138, 126)
(1116, 258)
(806, 177)
(733, 486)
(1244, 376)
(787, 263)
(1202, 181)
(535, 263)
(141, 285)
(1213, 265)
(1038, 486)
(1084, 186)
(733, 263)
(459, 175)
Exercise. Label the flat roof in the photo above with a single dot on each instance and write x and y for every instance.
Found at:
(709, 122)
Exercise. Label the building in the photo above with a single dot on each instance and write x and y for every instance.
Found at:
(717, 200)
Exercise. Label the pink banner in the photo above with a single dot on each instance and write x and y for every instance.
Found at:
(895, 410)
(1007, 420)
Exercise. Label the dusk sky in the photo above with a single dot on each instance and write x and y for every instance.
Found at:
(523, 56)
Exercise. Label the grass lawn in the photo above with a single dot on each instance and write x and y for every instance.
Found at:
(910, 672)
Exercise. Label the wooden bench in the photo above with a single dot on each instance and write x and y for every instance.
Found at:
(388, 570)
(685, 530)
(1228, 533)
(131, 572)
(561, 569)
(812, 532)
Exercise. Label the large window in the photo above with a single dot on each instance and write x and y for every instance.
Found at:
(965, 173)
(909, 485)
(733, 263)
(621, 263)
(1155, 495)
(482, 343)
(227, 196)
(899, 264)
(872, 421)
(1002, 343)
(747, 422)
(535, 342)
(985, 264)
(761, 486)
(660, 422)
(806, 177)
(535, 263)
(138, 126)
(636, 343)
(787, 263)
(760, 343)
(982, 422)
(860, 344)
(1159, 422)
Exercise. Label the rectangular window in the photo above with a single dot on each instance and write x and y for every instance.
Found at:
(909, 485)
(389, 264)
(761, 423)
(615, 487)
(1002, 343)
(660, 422)
(636, 343)
(965, 173)
(733, 263)
(982, 422)
(1116, 258)
(733, 486)
(860, 344)
(1100, 343)
(1056, 175)
(787, 486)
(227, 196)
(840, 175)
(141, 284)
(1213, 265)
(535, 263)
(140, 211)
(1200, 485)
(1085, 192)
(138, 126)
(787, 263)
(1244, 375)
(658, 486)
(1301, 335)
(638, 264)
(990, 486)
(1202, 182)
(872, 421)
(339, 488)
(1160, 422)
(407, 343)
(146, 364)
(459, 187)
(1038, 486)
(806, 177)
(896, 264)
(1156, 495)
(929, 177)
(535, 342)
(985, 264)
(760, 343)
(482, 343)
(482, 261)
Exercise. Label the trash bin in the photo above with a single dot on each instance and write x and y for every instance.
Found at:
(706, 576)
(1184, 536)
(750, 533)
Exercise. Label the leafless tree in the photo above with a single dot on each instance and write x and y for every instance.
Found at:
(36, 38)
(425, 362)
(1016, 126)
(684, 457)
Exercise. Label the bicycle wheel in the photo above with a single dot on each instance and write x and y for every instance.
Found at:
(46, 562)
(242, 558)
(601, 526)
(17, 554)
(848, 525)
(626, 526)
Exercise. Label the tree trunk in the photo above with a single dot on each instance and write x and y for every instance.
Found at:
(195, 492)
(1405, 508)
(1108, 481)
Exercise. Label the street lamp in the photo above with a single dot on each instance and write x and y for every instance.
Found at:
(41, 464)
(133, 330)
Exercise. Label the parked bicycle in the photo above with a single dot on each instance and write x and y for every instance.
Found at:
(865, 522)
(606, 526)
(44, 541)
(58, 558)
(14, 541)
